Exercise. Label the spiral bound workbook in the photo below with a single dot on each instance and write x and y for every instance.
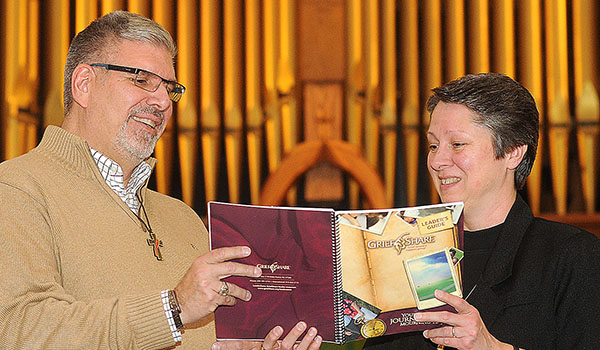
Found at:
(351, 274)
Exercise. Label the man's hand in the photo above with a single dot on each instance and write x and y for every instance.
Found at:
(311, 340)
(198, 290)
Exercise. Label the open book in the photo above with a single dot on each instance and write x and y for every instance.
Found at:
(351, 274)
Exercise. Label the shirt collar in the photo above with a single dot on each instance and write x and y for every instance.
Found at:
(112, 173)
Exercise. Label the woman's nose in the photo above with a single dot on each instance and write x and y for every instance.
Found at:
(440, 158)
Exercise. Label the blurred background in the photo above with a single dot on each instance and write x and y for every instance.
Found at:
(321, 102)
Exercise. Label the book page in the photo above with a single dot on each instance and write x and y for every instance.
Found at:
(399, 241)
(386, 239)
(356, 276)
(293, 247)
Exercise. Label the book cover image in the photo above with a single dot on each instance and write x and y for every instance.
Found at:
(428, 273)
(380, 266)
(358, 318)
(352, 274)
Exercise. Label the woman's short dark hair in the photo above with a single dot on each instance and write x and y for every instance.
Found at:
(501, 105)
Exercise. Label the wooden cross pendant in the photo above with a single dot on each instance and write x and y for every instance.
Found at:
(155, 243)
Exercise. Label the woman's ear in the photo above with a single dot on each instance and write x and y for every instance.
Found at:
(515, 156)
(81, 84)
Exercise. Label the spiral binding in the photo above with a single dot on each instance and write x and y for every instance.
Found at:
(337, 279)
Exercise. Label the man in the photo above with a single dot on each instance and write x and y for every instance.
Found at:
(91, 257)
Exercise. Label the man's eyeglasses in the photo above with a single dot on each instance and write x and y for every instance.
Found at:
(147, 80)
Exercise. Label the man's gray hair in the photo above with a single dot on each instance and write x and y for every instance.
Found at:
(94, 43)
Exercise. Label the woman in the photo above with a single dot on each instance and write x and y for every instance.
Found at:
(529, 283)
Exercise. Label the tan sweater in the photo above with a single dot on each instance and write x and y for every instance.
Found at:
(76, 271)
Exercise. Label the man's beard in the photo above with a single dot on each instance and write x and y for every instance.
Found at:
(141, 145)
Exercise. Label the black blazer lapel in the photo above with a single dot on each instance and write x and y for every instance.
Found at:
(500, 264)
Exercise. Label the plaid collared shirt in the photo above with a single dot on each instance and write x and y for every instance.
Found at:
(112, 173)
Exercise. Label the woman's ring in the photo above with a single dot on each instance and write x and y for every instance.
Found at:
(224, 291)
(453, 335)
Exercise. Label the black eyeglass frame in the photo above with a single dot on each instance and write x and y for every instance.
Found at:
(174, 94)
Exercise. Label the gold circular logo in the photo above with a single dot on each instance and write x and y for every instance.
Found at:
(373, 328)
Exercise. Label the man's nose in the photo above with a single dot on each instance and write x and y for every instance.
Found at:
(160, 98)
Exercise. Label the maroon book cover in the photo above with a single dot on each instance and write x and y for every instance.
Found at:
(294, 248)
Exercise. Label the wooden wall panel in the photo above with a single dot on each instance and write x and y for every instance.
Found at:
(245, 64)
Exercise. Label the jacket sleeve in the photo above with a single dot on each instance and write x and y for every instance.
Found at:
(576, 299)
(35, 310)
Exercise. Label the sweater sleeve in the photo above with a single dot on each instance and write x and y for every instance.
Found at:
(36, 312)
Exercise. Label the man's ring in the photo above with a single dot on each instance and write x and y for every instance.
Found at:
(224, 291)
(453, 335)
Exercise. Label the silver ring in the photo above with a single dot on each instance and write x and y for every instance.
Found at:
(453, 335)
(224, 291)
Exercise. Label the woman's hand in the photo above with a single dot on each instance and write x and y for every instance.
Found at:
(465, 330)
(311, 341)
